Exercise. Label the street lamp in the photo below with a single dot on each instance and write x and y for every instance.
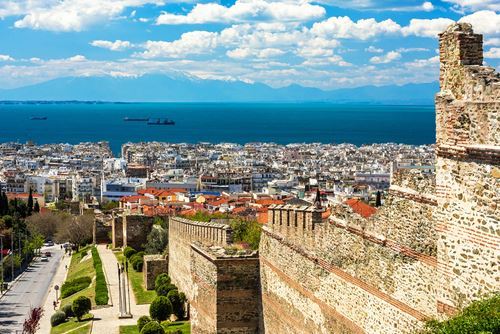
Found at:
(1, 260)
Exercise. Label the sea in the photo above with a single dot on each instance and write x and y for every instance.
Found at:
(282, 123)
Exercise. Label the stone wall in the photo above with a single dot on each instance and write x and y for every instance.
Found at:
(117, 231)
(136, 229)
(182, 233)
(226, 293)
(154, 265)
(468, 158)
(101, 232)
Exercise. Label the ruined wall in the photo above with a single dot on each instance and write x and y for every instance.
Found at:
(468, 158)
(226, 293)
(135, 230)
(117, 231)
(182, 233)
(325, 278)
(101, 232)
(154, 265)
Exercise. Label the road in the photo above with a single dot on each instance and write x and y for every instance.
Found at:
(29, 291)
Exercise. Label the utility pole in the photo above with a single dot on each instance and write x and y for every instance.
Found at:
(12, 255)
(1, 260)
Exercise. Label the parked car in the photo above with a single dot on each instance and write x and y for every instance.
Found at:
(48, 254)
(49, 243)
(44, 259)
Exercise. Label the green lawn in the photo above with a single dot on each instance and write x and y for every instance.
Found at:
(184, 326)
(78, 268)
(142, 296)
(83, 326)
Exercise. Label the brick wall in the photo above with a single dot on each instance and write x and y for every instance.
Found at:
(135, 230)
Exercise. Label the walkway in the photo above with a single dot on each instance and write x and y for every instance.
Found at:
(106, 319)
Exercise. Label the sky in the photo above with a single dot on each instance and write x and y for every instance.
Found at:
(326, 44)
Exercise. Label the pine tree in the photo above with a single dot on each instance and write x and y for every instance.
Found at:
(30, 202)
(36, 207)
(378, 201)
(2, 207)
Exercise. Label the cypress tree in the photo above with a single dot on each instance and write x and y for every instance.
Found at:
(30, 202)
(378, 201)
(36, 207)
(2, 205)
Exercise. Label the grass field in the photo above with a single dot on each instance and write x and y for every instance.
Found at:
(184, 326)
(79, 268)
(142, 296)
(73, 326)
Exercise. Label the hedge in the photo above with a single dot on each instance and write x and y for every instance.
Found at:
(81, 306)
(101, 289)
(128, 252)
(57, 318)
(73, 286)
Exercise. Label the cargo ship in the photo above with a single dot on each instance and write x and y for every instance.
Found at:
(132, 119)
(160, 121)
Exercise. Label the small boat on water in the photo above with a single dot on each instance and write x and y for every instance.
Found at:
(38, 118)
(132, 119)
(160, 121)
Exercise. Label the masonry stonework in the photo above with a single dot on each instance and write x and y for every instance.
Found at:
(154, 265)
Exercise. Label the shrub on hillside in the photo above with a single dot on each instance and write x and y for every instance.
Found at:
(152, 327)
(101, 289)
(129, 252)
(81, 306)
(142, 321)
(164, 289)
(67, 310)
(160, 309)
(161, 280)
(73, 286)
(57, 318)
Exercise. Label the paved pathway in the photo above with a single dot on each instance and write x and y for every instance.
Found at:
(48, 308)
(106, 319)
(30, 290)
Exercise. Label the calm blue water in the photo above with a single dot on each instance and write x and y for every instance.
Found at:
(219, 122)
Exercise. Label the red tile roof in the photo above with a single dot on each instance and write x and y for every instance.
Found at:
(360, 207)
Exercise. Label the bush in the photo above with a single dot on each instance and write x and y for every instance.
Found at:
(67, 310)
(161, 280)
(101, 289)
(152, 327)
(164, 289)
(81, 306)
(160, 309)
(128, 252)
(177, 303)
(482, 316)
(73, 286)
(138, 264)
(57, 318)
(142, 321)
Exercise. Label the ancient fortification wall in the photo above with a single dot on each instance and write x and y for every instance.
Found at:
(468, 158)
(431, 248)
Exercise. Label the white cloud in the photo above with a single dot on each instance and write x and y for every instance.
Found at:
(117, 45)
(473, 5)
(242, 53)
(484, 22)
(387, 58)
(428, 6)
(404, 50)
(67, 15)
(426, 27)
(193, 42)
(373, 49)
(6, 58)
(344, 27)
(418, 64)
(492, 42)
(246, 11)
(492, 53)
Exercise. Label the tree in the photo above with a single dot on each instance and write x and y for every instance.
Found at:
(160, 309)
(32, 323)
(30, 202)
(77, 231)
(157, 240)
(36, 207)
(378, 201)
(81, 306)
(152, 327)
(3, 209)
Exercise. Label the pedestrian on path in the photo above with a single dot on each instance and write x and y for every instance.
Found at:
(55, 305)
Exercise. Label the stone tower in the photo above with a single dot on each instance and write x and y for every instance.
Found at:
(468, 172)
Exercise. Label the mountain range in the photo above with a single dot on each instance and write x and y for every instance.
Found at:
(162, 88)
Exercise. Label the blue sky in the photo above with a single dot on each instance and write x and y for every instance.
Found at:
(326, 44)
